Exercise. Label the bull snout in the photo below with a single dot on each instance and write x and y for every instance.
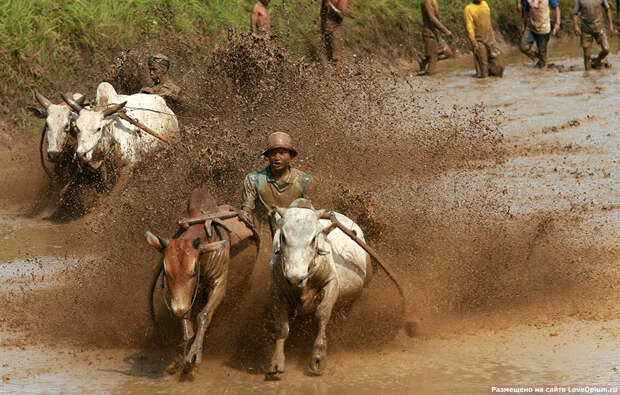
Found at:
(84, 156)
(53, 155)
(179, 309)
(296, 280)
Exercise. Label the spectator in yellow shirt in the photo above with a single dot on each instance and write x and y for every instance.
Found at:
(487, 56)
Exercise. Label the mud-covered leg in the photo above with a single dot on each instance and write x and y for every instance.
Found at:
(188, 330)
(282, 332)
(587, 60)
(216, 295)
(322, 314)
(188, 334)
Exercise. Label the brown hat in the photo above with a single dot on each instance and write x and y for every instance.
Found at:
(280, 140)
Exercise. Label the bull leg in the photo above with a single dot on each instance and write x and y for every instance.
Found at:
(282, 327)
(216, 295)
(329, 294)
(188, 330)
(188, 333)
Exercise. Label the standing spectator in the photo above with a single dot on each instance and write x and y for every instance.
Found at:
(260, 20)
(434, 46)
(332, 27)
(487, 56)
(538, 29)
(591, 12)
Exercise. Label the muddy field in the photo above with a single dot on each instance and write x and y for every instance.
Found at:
(496, 201)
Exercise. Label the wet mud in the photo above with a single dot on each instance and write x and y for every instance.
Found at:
(496, 201)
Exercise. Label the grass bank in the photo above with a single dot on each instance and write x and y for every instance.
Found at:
(47, 43)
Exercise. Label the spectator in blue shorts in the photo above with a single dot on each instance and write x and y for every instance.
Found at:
(537, 28)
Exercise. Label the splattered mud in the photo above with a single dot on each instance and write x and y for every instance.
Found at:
(496, 201)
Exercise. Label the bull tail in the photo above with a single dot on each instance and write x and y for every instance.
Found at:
(410, 325)
(156, 273)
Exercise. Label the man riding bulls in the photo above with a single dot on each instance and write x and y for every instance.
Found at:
(162, 85)
(278, 184)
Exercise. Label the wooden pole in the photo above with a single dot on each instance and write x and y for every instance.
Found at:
(142, 126)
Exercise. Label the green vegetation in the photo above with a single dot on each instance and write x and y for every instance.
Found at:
(45, 38)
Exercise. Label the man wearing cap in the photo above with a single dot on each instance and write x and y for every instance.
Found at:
(278, 184)
(161, 85)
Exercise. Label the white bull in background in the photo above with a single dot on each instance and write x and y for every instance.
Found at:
(312, 267)
(59, 124)
(101, 131)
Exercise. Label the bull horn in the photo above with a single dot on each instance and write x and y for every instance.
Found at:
(114, 109)
(42, 99)
(80, 100)
(74, 106)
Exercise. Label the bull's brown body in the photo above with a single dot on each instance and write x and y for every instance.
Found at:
(209, 252)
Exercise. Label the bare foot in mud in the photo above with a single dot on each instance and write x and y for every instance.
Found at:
(176, 365)
(604, 64)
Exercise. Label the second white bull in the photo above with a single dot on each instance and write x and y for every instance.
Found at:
(101, 129)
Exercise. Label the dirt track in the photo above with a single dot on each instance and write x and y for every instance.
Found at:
(511, 256)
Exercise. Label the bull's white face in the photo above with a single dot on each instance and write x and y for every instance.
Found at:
(58, 123)
(90, 127)
(299, 236)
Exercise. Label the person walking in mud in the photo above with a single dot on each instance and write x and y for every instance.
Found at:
(278, 184)
(592, 28)
(435, 47)
(537, 23)
(161, 84)
(488, 58)
(332, 27)
(260, 20)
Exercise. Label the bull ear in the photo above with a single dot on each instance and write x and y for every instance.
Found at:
(196, 242)
(160, 243)
(212, 246)
(38, 112)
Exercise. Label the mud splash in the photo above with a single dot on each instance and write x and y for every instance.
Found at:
(465, 213)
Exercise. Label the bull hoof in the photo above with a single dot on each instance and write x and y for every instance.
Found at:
(194, 355)
(317, 366)
(174, 366)
(188, 373)
(411, 327)
(277, 366)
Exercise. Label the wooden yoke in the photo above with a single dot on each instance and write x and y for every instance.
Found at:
(187, 221)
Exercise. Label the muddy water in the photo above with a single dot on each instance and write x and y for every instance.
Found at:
(563, 145)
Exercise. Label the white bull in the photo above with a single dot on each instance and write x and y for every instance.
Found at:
(311, 269)
(58, 123)
(99, 130)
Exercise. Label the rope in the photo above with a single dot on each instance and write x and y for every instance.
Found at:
(43, 133)
(155, 111)
(96, 144)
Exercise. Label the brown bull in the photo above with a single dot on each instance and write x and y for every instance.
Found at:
(199, 258)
